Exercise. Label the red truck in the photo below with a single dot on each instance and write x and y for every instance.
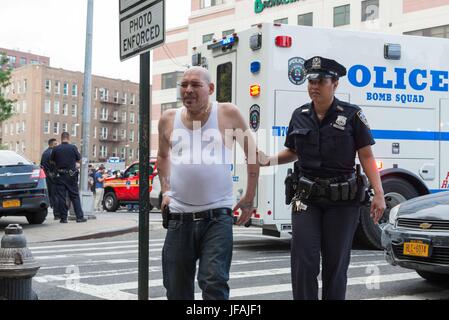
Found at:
(123, 189)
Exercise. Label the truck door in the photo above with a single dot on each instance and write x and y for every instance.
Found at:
(286, 103)
(444, 144)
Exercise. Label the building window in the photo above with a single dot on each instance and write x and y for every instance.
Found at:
(210, 3)
(168, 106)
(25, 86)
(66, 89)
(24, 107)
(305, 19)
(131, 136)
(104, 133)
(48, 86)
(57, 87)
(133, 99)
(94, 151)
(11, 129)
(65, 109)
(47, 108)
(438, 32)
(169, 80)
(208, 37)
(74, 110)
(95, 113)
(103, 152)
(370, 10)
(342, 15)
(57, 107)
(131, 153)
(227, 32)
(122, 153)
(17, 127)
(104, 114)
(281, 21)
(11, 60)
(23, 126)
(125, 98)
(132, 118)
(56, 128)
(95, 132)
(73, 133)
(74, 90)
(64, 127)
(123, 134)
(23, 61)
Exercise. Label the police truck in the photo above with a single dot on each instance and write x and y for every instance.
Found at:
(400, 82)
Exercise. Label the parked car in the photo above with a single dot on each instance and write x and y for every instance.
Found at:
(123, 189)
(417, 236)
(23, 190)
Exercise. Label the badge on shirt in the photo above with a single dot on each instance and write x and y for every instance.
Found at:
(340, 123)
(362, 118)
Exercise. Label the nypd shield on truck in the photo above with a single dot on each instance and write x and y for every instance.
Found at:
(400, 82)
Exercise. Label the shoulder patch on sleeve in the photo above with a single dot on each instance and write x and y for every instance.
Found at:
(362, 118)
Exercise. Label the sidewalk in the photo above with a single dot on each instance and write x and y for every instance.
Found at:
(105, 225)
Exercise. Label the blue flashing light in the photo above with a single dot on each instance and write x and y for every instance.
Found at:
(255, 67)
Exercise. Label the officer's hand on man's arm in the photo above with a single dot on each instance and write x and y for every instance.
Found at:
(369, 165)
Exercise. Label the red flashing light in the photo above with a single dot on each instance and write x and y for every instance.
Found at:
(257, 216)
(270, 213)
(284, 41)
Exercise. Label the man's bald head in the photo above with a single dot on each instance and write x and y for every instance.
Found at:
(204, 73)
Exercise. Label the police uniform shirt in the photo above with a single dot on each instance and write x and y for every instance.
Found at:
(45, 160)
(65, 156)
(328, 148)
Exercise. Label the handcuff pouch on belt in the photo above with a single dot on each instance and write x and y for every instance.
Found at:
(165, 217)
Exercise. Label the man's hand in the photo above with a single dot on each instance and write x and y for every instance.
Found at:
(378, 207)
(165, 202)
(263, 159)
(246, 205)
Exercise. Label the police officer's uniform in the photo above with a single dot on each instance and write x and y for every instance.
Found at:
(49, 170)
(327, 200)
(65, 156)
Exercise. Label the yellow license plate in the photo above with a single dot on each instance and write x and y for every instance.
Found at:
(416, 248)
(11, 203)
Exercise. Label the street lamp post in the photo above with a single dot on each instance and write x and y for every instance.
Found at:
(86, 195)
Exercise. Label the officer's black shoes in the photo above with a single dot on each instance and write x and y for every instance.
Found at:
(81, 220)
(63, 221)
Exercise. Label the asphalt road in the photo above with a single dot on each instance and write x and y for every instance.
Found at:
(107, 269)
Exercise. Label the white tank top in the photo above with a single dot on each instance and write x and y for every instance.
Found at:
(201, 166)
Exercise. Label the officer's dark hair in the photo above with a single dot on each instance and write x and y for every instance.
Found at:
(50, 142)
(65, 136)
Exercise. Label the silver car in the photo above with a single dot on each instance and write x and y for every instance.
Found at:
(417, 236)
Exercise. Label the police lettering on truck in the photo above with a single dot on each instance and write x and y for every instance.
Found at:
(400, 82)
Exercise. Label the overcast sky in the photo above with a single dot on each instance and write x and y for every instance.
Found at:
(57, 28)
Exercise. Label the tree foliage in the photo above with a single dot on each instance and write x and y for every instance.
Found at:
(6, 105)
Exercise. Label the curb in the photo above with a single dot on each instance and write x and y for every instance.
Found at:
(99, 235)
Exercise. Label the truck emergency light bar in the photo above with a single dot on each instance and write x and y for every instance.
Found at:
(226, 43)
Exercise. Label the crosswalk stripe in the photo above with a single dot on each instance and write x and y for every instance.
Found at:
(434, 295)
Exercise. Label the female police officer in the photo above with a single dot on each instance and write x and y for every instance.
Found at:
(325, 136)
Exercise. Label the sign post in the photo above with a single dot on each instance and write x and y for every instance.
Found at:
(142, 28)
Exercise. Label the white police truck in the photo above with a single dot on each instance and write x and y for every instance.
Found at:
(400, 82)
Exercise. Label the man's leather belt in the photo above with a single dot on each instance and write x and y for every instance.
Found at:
(202, 215)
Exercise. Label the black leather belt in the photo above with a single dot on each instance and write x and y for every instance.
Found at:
(202, 215)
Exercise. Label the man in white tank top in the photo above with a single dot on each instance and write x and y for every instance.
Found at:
(194, 164)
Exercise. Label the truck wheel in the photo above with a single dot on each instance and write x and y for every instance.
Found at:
(110, 202)
(37, 217)
(396, 190)
(434, 277)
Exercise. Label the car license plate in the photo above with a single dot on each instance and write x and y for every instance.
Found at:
(11, 203)
(416, 248)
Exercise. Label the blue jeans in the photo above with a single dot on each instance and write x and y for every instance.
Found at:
(210, 242)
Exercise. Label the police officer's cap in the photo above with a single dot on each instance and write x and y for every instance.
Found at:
(319, 67)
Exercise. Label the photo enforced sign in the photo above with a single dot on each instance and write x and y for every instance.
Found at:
(141, 26)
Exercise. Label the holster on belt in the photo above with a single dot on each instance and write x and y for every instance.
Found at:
(291, 184)
(165, 217)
